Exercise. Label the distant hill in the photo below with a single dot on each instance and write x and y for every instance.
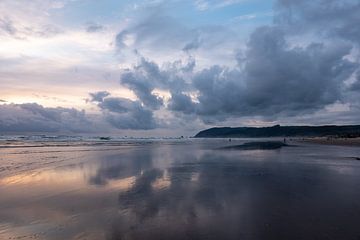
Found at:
(282, 131)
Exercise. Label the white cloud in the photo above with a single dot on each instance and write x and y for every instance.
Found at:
(21, 19)
(204, 5)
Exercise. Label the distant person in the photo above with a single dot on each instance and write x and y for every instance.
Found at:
(284, 140)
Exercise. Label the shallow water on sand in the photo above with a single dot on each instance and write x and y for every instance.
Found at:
(188, 189)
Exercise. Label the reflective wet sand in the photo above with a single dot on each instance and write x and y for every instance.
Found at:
(179, 190)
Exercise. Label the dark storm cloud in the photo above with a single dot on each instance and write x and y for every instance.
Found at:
(147, 76)
(356, 85)
(330, 17)
(276, 77)
(123, 113)
(272, 78)
(32, 117)
(132, 117)
(142, 81)
(180, 102)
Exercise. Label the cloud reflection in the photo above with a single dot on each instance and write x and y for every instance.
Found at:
(219, 198)
(188, 191)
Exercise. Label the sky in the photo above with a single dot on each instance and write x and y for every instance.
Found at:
(174, 67)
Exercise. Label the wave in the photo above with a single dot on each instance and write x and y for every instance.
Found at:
(31, 141)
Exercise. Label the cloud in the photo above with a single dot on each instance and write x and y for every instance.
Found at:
(32, 117)
(245, 17)
(154, 28)
(355, 86)
(21, 21)
(193, 45)
(146, 76)
(7, 26)
(272, 79)
(276, 75)
(183, 72)
(117, 113)
(98, 96)
(204, 5)
(123, 113)
(180, 102)
(142, 80)
(94, 27)
(332, 18)
(161, 36)
(275, 78)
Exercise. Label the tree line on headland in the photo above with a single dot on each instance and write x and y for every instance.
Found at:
(347, 131)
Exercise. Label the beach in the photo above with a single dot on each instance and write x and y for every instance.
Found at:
(178, 189)
(354, 142)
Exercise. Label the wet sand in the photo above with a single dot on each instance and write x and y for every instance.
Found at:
(179, 190)
(354, 142)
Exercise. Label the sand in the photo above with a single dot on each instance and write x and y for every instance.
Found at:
(175, 189)
(354, 142)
